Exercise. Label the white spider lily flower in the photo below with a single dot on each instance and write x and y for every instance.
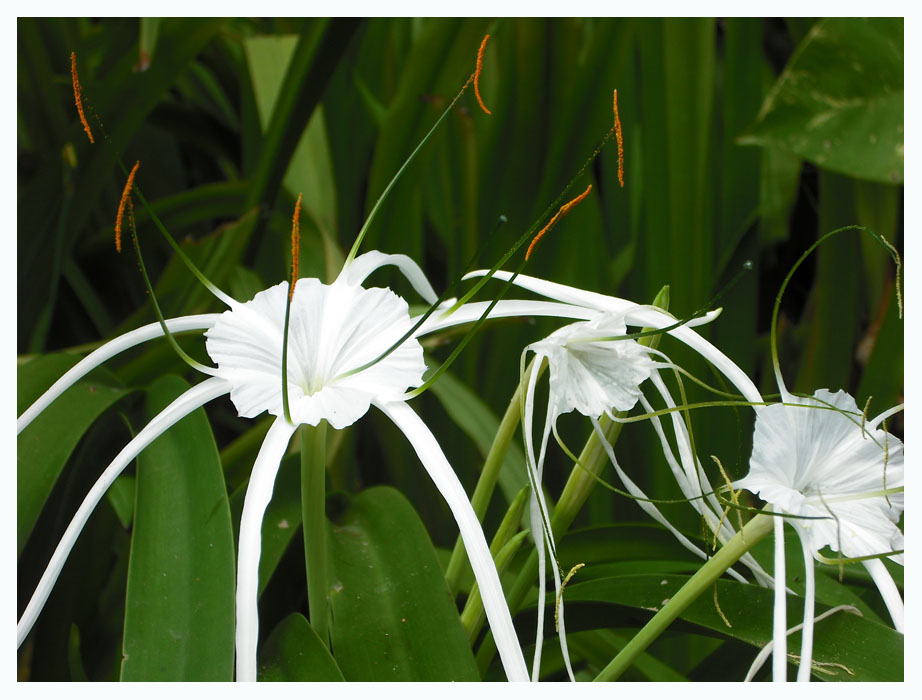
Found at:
(841, 477)
(595, 376)
(334, 330)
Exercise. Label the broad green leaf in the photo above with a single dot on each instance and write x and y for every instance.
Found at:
(393, 618)
(854, 648)
(839, 102)
(179, 609)
(294, 652)
(44, 447)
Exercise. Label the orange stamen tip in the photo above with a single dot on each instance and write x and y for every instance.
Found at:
(620, 137)
(126, 193)
(78, 95)
(295, 247)
(483, 45)
(559, 215)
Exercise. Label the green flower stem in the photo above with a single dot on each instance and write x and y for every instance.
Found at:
(458, 563)
(703, 579)
(313, 515)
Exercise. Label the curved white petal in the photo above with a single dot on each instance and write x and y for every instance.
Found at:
(258, 495)
(888, 591)
(358, 270)
(110, 349)
(581, 297)
(446, 481)
(780, 616)
(190, 400)
(505, 308)
(806, 644)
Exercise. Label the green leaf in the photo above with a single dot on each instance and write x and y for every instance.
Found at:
(393, 618)
(839, 102)
(294, 652)
(868, 650)
(179, 608)
(44, 447)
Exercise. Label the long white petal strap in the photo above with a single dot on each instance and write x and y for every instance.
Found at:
(581, 297)
(258, 495)
(110, 349)
(888, 590)
(806, 644)
(446, 481)
(505, 308)
(779, 621)
(365, 264)
(190, 400)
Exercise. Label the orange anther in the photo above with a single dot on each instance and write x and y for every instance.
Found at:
(78, 95)
(560, 214)
(126, 193)
(479, 68)
(295, 247)
(620, 137)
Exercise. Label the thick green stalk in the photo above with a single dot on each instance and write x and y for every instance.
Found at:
(703, 579)
(313, 515)
(458, 563)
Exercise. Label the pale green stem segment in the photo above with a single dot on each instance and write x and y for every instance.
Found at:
(483, 492)
(592, 461)
(701, 582)
(504, 546)
(313, 515)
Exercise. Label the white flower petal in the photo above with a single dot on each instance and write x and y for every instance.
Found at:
(505, 308)
(888, 591)
(189, 401)
(446, 481)
(108, 350)
(258, 495)
(362, 266)
(780, 615)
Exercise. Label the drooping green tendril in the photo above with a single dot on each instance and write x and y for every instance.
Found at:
(194, 364)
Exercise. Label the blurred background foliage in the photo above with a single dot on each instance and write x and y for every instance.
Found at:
(744, 140)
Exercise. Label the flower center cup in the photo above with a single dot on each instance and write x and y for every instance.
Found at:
(333, 330)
